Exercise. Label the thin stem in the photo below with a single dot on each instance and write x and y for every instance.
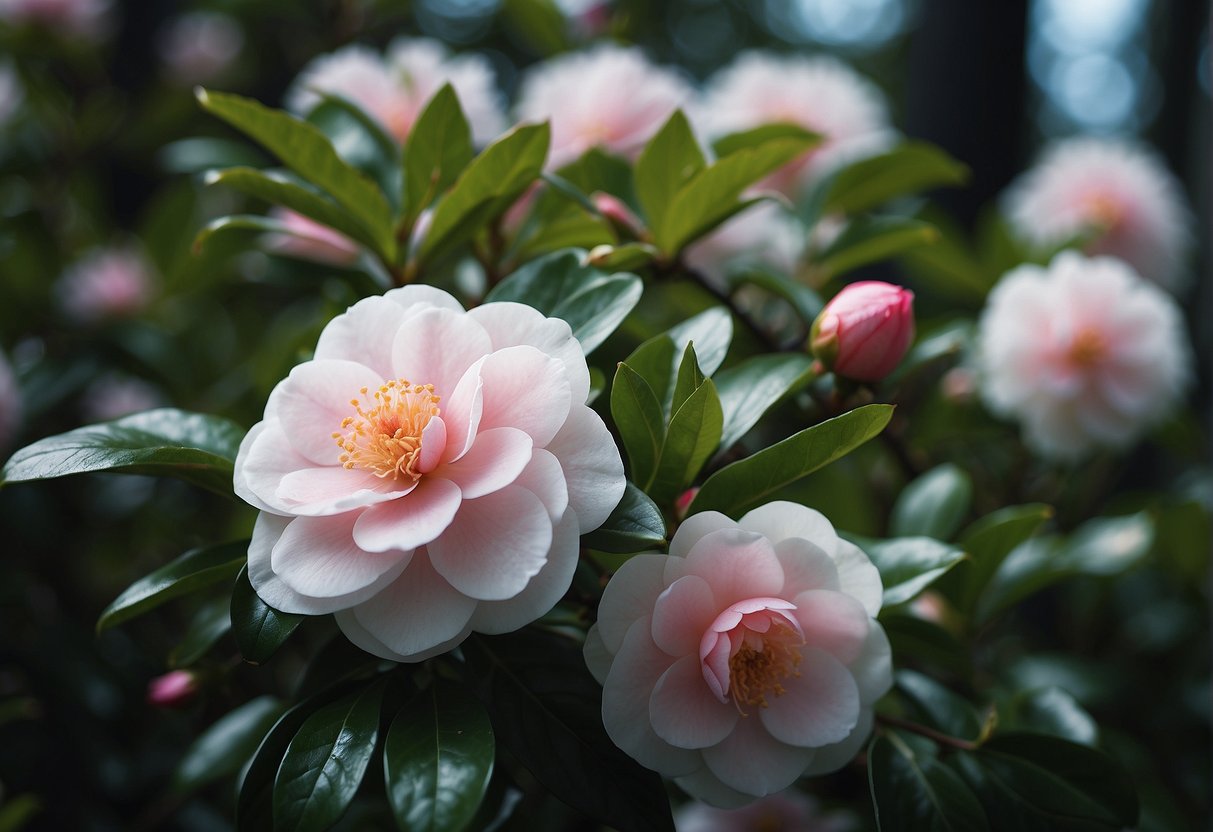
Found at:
(937, 737)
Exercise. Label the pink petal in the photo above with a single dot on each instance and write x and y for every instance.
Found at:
(682, 614)
(705, 786)
(433, 444)
(544, 478)
(361, 637)
(364, 333)
(592, 466)
(858, 577)
(737, 565)
(327, 491)
(629, 595)
(525, 389)
(597, 659)
(436, 346)
(418, 295)
(873, 669)
(496, 459)
(411, 521)
(781, 519)
(821, 705)
(833, 622)
(462, 412)
(313, 401)
(694, 528)
(752, 761)
(495, 545)
(512, 324)
(264, 458)
(317, 557)
(832, 757)
(684, 712)
(805, 566)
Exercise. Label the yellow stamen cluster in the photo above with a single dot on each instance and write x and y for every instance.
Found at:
(1087, 348)
(385, 435)
(1105, 212)
(756, 672)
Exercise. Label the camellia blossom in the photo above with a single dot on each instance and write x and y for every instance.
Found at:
(788, 811)
(395, 88)
(198, 46)
(1119, 193)
(106, 283)
(865, 330)
(172, 690)
(610, 97)
(307, 239)
(74, 18)
(820, 94)
(747, 657)
(428, 473)
(1083, 353)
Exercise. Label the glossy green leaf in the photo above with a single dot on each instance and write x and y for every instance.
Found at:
(223, 749)
(758, 136)
(870, 240)
(692, 436)
(238, 227)
(308, 152)
(990, 539)
(635, 525)
(360, 139)
(908, 565)
(909, 168)
(658, 359)
(486, 187)
(547, 710)
(933, 505)
(929, 644)
(689, 378)
(912, 791)
(669, 161)
(747, 484)
(1050, 710)
(210, 623)
(325, 762)
(439, 148)
(437, 759)
(623, 258)
(254, 801)
(259, 628)
(195, 447)
(196, 569)
(747, 390)
(938, 707)
(637, 415)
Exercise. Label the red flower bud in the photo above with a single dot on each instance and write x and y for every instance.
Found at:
(865, 330)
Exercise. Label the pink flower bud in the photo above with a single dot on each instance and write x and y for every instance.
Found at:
(617, 213)
(172, 690)
(865, 330)
(684, 502)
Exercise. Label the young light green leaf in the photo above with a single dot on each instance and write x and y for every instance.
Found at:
(195, 447)
(758, 136)
(221, 750)
(635, 525)
(439, 148)
(637, 415)
(691, 438)
(747, 484)
(259, 628)
(689, 378)
(933, 505)
(750, 388)
(669, 161)
(361, 140)
(909, 168)
(869, 240)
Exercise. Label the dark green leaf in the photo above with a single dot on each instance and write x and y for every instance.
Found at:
(210, 623)
(670, 160)
(637, 415)
(626, 257)
(870, 240)
(439, 148)
(750, 388)
(926, 643)
(737, 488)
(195, 570)
(361, 140)
(224, 748)
(259, 628)
(691, 438)
(254, 802)
(689, 377)
(913, 792)
(909, 168)
(238, 226)
(194, 447)
(437, 759)
(908, 565)
(1051, 710)
(759, 136)
(325, 762)
(635, 525)
(989, 540)
(657, 360)
(939, 707)
(934, 505)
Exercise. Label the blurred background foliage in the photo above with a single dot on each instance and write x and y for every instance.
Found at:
(102, 149)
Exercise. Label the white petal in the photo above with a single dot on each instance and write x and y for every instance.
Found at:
(805, 566)
(592, 466)
(752, 761)
(364, 333)
(265, 457)
(418, 295)
(524, 389)
(362, 638)
(821, 705)
(317, 557)
(830, 758)
(334, 490)
(411, 521)
(315, 399)
(684, 711)
(597, 659)
(694, 528)
(781, 519)
(629, 595)
(705, 786)
(512, 324)
(496, 459)
(873, 669)
(436, 346)
(858, 577)
(544, 477)
(682, 614)
(737, 565)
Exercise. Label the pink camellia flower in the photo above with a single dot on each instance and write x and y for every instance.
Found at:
(820, 94)
(106, 283)
(610, 97)
(428, 473)
(10, 403)
(199, 46)
(1119, 193)
(747, 657)
(307, 239)
(787, 811)
(864, 332)
(395, 88)
(1083, 352)
(173, 689)
(73, 18)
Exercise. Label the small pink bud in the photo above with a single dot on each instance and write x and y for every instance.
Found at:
(172, 690)
(865, 330)
(617, 213)
(684, 502)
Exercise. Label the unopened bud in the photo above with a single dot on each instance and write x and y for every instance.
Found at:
(173, 689)
(865, 330)
(617, 213)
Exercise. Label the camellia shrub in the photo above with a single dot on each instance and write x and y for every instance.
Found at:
(615, 471)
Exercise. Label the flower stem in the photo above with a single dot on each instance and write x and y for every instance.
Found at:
(937, 737)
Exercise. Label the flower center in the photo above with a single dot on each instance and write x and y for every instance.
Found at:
(1105, 213)
(385, 435)
(1088, 348)
(763, 661)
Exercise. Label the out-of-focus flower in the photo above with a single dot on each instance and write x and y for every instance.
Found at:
(611, 97)
(1083, 353)
(309, 240)
(820, 94)
(73, 18)
(1119, 193)
(865, 330)
(395, 89)
(764, 236)
(113, 396)
(428, 473)
(747, 657)
(10, 403)
(106, 283)
(172, 690)
(199, 46)
(11, 92)
(788, 811)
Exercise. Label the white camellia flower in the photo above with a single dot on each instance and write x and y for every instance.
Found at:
(395, 89)
(428, 473)
(1120, 193)
(1083, 352)
(611, 97)
(747, 657)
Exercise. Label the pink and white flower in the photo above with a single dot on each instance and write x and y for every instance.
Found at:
(307, 239)
(788, 811)
(1119, 193)
(428, 473)
(395, 88)
(199, 46)
(747, 657)
(820, 94)
(1083, 352)
(610, 97)
(865, 330)
(106, 283)
(73, 18)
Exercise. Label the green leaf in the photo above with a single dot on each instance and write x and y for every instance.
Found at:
(626, 257)
(325, 762)
(1051, 710)
(934, 505)
(989, 540)
(637, 415)
(306, 150)
(486, 187)
(361, 140)
(635, 525)
(926, 643)
(437, 759)
(691, 438)
(750, 388)
(254, 802)
(439, 148)
(747, 484)
(277, 189)
(909, 168)
(913, 792)
(210, 623)
(669, 161)
(939, 707)
(547, 710)
(259, 628)
(869, 240)
(908, 565)
(236, 226)
(758, 136)
(560, 285)
(658, 359)
(224, 748)
(689, 378)
(804, 301)
(194, 447)
(196, 569)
